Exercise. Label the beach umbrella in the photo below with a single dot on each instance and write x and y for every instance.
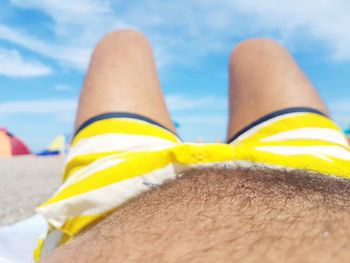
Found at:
(11, 145)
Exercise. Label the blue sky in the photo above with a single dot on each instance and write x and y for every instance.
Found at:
(45, 47)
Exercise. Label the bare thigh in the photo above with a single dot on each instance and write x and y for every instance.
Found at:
(265, 78)
(122, 77)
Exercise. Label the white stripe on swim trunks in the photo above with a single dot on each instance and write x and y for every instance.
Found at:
(323, 134)
(118, 142)
(323, 152)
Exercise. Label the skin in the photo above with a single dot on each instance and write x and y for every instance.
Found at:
(227, 215)
(194, 220)
(265, 78)
(122, 77)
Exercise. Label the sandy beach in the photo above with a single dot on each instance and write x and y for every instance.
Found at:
(25, 182)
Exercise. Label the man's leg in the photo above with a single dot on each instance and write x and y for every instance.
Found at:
(227, 215)
(122, 77)
(264, 78)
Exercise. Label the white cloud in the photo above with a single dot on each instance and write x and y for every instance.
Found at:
(208, 120)
(75, 57)
(44, 106)
(68, 12)
(340, 111)
(78, 25)
(197, 28)
(61, 111)
(178, 102)
(320, 21)
(64, 110)
(342, 105)
(186, 31)
(62, 87)
(12, 64)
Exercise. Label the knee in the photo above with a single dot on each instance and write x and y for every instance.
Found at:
(122, 39)
(254, 49)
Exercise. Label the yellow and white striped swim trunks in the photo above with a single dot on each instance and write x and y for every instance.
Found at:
(116, 156)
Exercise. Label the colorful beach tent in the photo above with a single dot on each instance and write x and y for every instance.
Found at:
(59, 145)
(11, 145)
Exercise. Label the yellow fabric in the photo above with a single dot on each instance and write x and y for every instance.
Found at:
(58, 144)
(38, 249)
(113, 160)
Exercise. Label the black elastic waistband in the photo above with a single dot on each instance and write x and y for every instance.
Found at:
(111, 115)
(273, 115)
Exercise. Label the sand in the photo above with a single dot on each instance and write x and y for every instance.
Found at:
(25, 182)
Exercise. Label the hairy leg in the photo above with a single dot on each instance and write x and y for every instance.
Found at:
(225, 215)
(122, 77)
(265, 78)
